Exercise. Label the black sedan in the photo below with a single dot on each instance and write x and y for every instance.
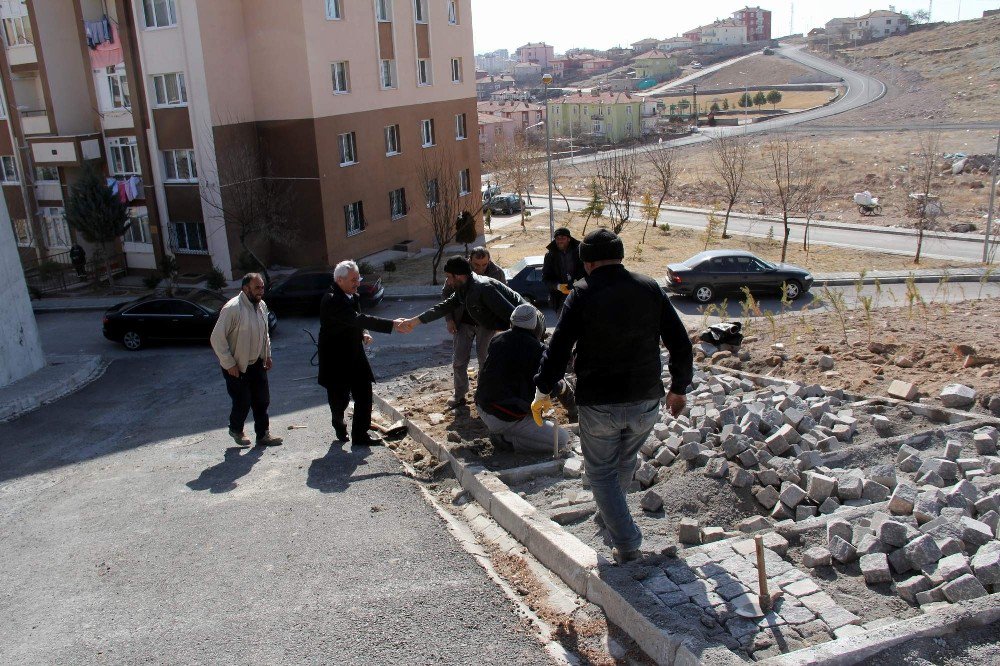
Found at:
(525, 277)
(302, 291)
(505, 204)
(708, 274)
(186, 314)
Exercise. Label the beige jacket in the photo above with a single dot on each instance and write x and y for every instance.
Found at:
(240, 336)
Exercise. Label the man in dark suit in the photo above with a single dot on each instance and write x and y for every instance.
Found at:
(344, 370)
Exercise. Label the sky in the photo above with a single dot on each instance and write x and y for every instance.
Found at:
(600, 24)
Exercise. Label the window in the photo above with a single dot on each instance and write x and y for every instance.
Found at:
(392, 140)
(460, 127)
(124, 156)
(334, 10)
(22, 232)
(387, 73)
(456, 70)
(46, 174)
(341, 83)
(397, 203)
(628, 110)
(383, 10)
(159, 13)
(169, 89)
(9, 168)
(17, 31)
(463, 182)
(420, 11)
(423, 72)
(452, 12)
(348, 149)
(427, 132)
(431, 192)
(180, 165)
(54, 227)
(189, 237)
(354, 216)
(138, 228)
(118, 87)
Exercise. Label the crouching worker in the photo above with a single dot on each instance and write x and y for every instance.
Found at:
(506, 387)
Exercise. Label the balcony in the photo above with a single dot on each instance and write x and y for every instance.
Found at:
(115, 120)
(48, 192)
(35, 122)
(70, 150)
(22, 54)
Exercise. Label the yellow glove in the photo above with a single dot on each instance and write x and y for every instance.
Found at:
(565, 288)
(540, 404)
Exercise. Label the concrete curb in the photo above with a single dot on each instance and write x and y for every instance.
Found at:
(91, 368)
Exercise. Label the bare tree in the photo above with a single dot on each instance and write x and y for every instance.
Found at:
(250, 197)
(785, 179)
(617, 182)
(665, 172)
(729, 162)
(516, 168)
(922, 173)
(444, 202)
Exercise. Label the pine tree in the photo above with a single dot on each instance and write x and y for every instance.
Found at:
(94, 210)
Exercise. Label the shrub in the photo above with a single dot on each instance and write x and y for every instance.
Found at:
(152, 281)
(365, 268)
(49, 269)
(216, 280)
(389, 266)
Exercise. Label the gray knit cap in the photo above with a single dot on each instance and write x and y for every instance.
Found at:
(524, 316)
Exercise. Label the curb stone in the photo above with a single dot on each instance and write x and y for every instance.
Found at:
(91, 368)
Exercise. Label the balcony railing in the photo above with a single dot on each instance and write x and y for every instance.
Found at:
(35, 121)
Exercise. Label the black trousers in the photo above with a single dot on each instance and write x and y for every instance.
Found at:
(339, 396)
(249, 391)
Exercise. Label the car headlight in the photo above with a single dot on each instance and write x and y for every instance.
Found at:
(808, 276)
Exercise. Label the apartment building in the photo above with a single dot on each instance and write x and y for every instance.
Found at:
(757, 22)
(341, 104)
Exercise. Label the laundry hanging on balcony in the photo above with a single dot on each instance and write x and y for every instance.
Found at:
(98, 32)
(107, 53)
(126, 190)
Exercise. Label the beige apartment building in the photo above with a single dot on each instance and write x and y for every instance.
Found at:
(348, 101)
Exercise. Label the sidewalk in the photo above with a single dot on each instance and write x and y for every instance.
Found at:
(62, 375)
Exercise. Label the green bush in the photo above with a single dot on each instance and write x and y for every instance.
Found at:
(152, 281)
(365, 268)
(216, 280)
(389, 266)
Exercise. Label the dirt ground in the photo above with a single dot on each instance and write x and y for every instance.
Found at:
(761, 70)
(970, 646)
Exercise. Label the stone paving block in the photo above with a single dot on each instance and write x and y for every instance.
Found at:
(795, 615)
(883, 474)
(904, 452)
(801, 588)
(986, 563)
(933, 595)
(949, 546)
(791, 495)
(712, 534)
(952, 450)
(869, 544)
(716, 468)
(957, 396)
(828, 506)
(909, 588)
(817, 556)
(902, 499)
(931, 478)
(927, 506)
(777, 444)
(843, 551)
(739, 477)
(964, 588)
(883, 426)
(660, 584)
(985, 444)
(731, 590)
(948, 568)
(850, 487)
(688, 531)
(967, 465)
(781, 512)
(748, 458)
(895, 534)
(922, 551)
(874, 491)
(910, 464)
(838, 617)
(768, 477)
(776, 542)
(992, 520)
(848, 630)
(898, 560)
(974, 532)
(767, 496)
(820, 487)
(652, 500)
(673, 598)
(645, 475)
(946, 469)
(875, 568)
(805, 512)
(665, 456)
(839, 527)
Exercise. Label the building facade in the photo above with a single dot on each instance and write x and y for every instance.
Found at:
(607, 118)
(340, 105)
(539, 54)
(757, 22)
(878, 24)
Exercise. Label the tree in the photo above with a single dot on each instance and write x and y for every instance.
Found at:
(760, 99)
(786, 181)
(715, 107)
(465, 231)
(99, 215)
(745, 101)
(917, 16)
(725, 103)
(665, 171)
(921, 176)
(595, 205)
(729, 162)
(515, 168)
(444, 204)
(250, 197)
(773, 98)
(617, 178)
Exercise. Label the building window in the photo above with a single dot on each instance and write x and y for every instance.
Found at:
(9, 168)
(397, 203)
(392, 140)
(189, 237)
(180, 166)
(464, 183)
(628, 128)
(169, 89)
(17, 31)
(423, 72)
(138, 228)
(22, 232)
(46, 174)
(452, 12)
(431, 193)
(341, 82)
(124, 156)
(456, 70)
(387, 73)
(427, 133)
(348, 149)
(354, 217)
(460, 127)
(334, 10)
(159, 13)
(628, 110)
(420, 11)
(383, 10)
(54, 227)
(118, 87)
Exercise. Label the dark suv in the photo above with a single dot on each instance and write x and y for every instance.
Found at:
(302, 291)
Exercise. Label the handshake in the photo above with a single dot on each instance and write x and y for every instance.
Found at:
(404, 325)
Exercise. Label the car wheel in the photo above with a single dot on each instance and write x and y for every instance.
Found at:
(132, 341)
(703, 294)
(793, 289)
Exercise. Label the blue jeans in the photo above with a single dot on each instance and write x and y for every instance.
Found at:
(610, 436)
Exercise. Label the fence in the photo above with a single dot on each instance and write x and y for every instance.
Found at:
(57, 272)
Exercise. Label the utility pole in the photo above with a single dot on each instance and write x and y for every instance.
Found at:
(993, 195)
(695, 87)
(930, 11)
(791, 21)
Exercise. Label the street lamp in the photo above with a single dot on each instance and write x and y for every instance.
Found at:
(546, 80)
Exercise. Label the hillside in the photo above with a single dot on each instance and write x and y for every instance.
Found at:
(760, 70)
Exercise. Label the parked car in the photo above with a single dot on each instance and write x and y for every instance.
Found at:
(525, 277)
(506, 204)
(302, 291)
(708, 274)
(768, 51)
(489, 191)
(186, 314)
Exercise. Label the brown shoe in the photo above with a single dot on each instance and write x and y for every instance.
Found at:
(267, 439)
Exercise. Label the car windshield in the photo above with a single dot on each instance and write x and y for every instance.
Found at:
(516, 268)
(767, 264)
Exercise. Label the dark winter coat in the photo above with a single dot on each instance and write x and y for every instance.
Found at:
(487, 301)
(552, 273)
(341, 338)
(506, 383)
(616, 320)
(492, 271)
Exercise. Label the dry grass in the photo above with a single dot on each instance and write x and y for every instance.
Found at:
(789, 100)
(759, 70)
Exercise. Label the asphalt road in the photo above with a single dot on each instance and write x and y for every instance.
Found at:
(134, 533)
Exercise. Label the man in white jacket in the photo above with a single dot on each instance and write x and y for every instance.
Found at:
(242, 343)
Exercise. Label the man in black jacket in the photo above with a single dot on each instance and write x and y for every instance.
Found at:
(344, 370)
(616, 320)
(561, 266)
(506, 387)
